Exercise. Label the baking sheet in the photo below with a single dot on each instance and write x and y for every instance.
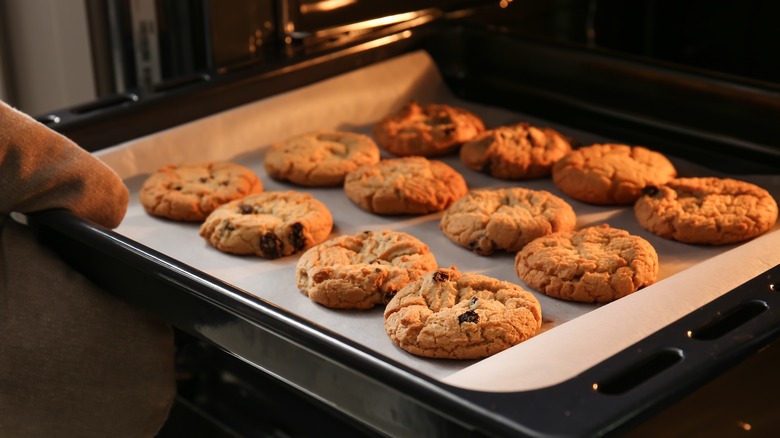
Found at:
(574, 336)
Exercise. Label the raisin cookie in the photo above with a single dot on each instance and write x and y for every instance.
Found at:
(611, 174)
(595, 264)
(270, 224)
(361, 271)
(409, 185)
(708, 210)
(190, 192)
(515, 152)
(490, 220)
(320, 158)
(427, 130)
(449, 314)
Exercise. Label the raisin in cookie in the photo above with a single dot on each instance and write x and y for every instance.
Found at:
(490, 220)
(410, 185)
(320, 158)
(361, 271)
(447, 314)
(611, 174)
(595, 264)
(427, 130)
(270, 224)
(190, 192)
(706, 210)
(515, 152)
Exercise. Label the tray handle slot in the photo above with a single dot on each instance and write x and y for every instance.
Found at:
(639, 372)
(729, 320)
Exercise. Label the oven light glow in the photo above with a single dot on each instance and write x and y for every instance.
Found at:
(772, 287)
(595, 386)
(326, 5)
(689, 333)
(504, 3)
(744, 426)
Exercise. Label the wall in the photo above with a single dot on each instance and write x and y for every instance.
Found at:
(46, 62)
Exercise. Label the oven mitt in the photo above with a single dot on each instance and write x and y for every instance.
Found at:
(74, 360)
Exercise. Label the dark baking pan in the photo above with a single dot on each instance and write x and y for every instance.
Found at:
(608, 95)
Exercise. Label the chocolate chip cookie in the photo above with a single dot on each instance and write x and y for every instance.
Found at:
(595, 264)
(505, 219)
(515, 152)
(427, 130)
(706, 210)
(190, 192)
(363, 270)
(448, 314)
(320, 158)
(611, 174)
(270, 225)
(409, 185)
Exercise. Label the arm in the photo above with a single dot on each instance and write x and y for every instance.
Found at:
(41, 169)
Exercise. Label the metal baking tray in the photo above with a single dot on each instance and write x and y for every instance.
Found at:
(610, 366)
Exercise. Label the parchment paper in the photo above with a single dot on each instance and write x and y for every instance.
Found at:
(574, 336)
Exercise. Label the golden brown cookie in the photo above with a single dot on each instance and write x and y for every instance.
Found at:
(515, 152)
(447, 314)
(190, 192)
(708, 210)
(410, 185)
(320, 158)
(361, 271)
(427, 130)
(595, 264)
(611, 174)
(505, 219)
(270, 225)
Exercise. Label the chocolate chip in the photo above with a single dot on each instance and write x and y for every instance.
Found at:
(297, 238)
(440, 276)
(270, 245)
(203, 179)
(487, 166)
(468, 316)
(473, 301)
(389, 295)
(246, 209)
(650, 190)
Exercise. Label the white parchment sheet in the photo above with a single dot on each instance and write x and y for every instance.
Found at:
(574, 336)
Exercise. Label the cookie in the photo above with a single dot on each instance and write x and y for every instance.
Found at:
(611, 174)
(595, 264)
(708, 210)
(361, 271)
(506, 219)
(449, 314)
(427, 130)
(320, 158)
(190, 192)
(515, 152)
(409, 185)
(270, 225)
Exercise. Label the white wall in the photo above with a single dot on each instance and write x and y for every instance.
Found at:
(47, 63)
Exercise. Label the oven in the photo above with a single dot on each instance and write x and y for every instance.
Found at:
(690, 355)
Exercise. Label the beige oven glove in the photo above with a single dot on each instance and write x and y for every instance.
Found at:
(75, 361)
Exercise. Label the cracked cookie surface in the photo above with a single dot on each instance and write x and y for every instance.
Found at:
(505, 219)
(320, 158)
(707, 210)
(270, 225)
(362, 270)
(190, 192)
(409, 185)
(454, 315)
(595, 264)
(611, 174)
(515, 152)
(427, 130)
